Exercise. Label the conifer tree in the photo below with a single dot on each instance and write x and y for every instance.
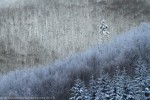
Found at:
(140, 82)
(126, 87)
(79, 91)
(122, 89)
(103, 92)
(116, 85)
(104, 31)
(92, 88)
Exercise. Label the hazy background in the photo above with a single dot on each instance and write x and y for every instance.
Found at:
(38, 32)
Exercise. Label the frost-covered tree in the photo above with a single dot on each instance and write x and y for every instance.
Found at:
(126, 87)
(79, 91)
(92, 88)
(104, 88)
(116, 85)
(147, 89)
(121, 88)
(103, 30)
(141, 84)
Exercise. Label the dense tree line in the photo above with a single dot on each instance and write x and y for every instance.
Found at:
(130, 51)
(119, 87)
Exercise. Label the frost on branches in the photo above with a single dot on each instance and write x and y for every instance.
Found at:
(103, 30)
(79, 91)
(120, 87)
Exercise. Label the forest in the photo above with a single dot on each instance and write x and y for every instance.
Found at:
(75, 49)
(128, 52)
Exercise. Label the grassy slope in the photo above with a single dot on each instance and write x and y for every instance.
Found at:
(56, 79)
(45, 30)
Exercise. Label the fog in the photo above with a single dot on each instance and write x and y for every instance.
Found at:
(7, 3)
(56, 79)
(39, 32)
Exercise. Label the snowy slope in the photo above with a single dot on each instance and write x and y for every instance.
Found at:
(55, 79)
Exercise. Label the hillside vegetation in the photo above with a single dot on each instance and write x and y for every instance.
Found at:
(38, 32)
(56, 80)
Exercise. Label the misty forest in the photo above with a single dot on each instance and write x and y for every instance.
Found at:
(74, 49)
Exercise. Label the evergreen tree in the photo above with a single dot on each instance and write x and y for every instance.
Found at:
(103, 28)
(121, 87)
(104, 31)
(147, 86)
(92, 88)
(103, 92)
(79, 91)
(126, 87)
(141, 85)
(116, 85)
(147, 89)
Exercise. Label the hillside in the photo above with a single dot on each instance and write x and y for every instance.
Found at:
(56, 79)
(39, 32)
